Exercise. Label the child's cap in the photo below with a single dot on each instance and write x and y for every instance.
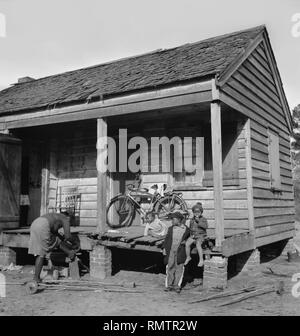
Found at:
(177, 214)
(198, 206)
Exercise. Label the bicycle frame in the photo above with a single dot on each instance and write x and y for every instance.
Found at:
(155, 198)
(137, 205)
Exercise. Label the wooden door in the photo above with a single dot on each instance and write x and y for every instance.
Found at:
(10, 181)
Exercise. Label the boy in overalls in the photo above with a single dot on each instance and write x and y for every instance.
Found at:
(174, 251)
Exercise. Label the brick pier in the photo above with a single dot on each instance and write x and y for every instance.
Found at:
(100, 262)
(215, 272)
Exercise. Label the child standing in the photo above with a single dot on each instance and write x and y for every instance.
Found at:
(198, 226)
(174, 251)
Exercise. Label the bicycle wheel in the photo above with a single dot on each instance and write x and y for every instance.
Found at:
(170, 203)
(119, 212)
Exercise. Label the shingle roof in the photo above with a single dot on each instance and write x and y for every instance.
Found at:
(163, 67)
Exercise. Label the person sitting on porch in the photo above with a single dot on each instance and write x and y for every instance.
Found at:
(174, 251)
(154, 226)
(43, 238)
(198, 226)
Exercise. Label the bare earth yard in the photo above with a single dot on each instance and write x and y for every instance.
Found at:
(153, 300)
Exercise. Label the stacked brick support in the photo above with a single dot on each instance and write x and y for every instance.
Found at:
(7, 256)
(248, 262)
(215, 272)
(100, 262)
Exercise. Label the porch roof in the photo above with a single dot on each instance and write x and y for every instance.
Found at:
(189, 62)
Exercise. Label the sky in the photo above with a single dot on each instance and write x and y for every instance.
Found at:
(44, 37)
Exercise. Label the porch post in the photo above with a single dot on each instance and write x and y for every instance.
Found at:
(216, 142)
(249, 176)
(101, 174)
(45, 181)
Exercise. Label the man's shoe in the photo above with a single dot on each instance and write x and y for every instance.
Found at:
(178, 290)
(168, 289)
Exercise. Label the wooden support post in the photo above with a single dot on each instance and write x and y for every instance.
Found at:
(249, 176)
(102, 174)
(216, 142)
(44, 191)
(45, 181)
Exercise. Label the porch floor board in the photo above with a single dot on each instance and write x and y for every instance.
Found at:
(127, 237)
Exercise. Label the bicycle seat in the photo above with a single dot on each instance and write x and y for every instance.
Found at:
(139, 191)
(143, 190)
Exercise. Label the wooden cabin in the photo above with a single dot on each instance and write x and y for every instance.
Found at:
(226, 90)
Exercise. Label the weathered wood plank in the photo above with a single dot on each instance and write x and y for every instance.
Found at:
(273, 220)
(273, 203)
(269, 102)
(241, 102)
(267, 193)
(92, 181)
(273, 229)
(215, 111)
(231, 194)
(257, 104)
(259, 77)
(261, 69)
(238, 243)
(228, 204)
(87, 112)
(273, 238)
(249, 175)
(263, 212)
(102, 174)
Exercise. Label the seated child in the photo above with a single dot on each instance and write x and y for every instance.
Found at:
(154, 227)
(198, 226)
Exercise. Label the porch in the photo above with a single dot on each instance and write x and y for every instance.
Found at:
(124, 238)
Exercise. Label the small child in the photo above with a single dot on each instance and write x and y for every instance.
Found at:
(174, 251)
(154, 226)
(198, 226)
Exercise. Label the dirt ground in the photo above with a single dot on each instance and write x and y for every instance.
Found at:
(152, 300)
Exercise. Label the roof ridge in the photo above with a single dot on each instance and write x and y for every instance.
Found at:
(261, 27)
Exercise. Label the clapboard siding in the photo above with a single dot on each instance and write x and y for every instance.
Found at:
(273, 214)
(252, 88)
(235, 207)
(249, 91)
(235, 198)
(74, 164)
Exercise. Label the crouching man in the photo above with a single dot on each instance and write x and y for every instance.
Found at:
(43, 238)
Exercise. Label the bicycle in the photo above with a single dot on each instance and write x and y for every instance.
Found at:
(122, 208)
